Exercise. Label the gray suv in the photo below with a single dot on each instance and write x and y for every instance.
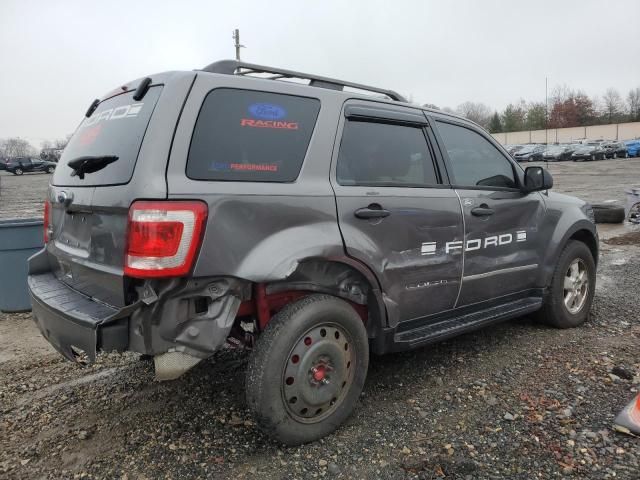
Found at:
(312, 225)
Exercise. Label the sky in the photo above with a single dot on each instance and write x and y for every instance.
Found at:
(57, 56)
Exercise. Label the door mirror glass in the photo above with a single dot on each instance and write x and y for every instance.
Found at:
(536, 179)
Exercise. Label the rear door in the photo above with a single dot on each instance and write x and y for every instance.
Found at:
(502, 245)
(395, 210)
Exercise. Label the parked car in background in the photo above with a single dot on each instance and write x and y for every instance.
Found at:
(530, 153)
(20, 165)
(588, 152)
(633, 147)
(511, 149)
(615, 150)
(557, 153)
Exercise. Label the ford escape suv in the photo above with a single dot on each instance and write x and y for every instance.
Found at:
(308, 221)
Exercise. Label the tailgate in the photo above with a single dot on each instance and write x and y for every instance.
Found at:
(90, 198)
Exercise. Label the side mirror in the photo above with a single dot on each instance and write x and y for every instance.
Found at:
(537, 179)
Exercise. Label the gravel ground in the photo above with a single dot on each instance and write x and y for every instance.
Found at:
(513, 401)
(22, 196)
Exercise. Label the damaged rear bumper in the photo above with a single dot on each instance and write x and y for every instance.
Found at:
(72, 322)
(163, 322)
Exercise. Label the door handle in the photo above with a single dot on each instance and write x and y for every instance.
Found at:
(482, 211)
(372, 211)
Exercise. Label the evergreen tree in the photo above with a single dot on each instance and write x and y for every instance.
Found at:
(495, 125)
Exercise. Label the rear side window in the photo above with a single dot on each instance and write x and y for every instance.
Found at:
(116, 128)
(474, 160)
(381, 154)
(244, 135)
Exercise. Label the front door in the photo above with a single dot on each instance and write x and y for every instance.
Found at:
(394, 212)
(502, 249)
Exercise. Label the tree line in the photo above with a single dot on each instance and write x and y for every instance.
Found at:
(19, 147)
(567, 108)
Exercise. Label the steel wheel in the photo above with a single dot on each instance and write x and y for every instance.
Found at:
(576, 286)
(318, 373)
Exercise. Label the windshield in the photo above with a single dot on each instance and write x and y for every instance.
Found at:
(115, 129)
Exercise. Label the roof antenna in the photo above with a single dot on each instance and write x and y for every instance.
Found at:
(236, 37)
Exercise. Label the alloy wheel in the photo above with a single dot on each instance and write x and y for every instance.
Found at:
(576, 286)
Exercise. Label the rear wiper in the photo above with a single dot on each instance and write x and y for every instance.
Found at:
(90, 164)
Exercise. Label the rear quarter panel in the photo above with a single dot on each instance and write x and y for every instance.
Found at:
(256, 230)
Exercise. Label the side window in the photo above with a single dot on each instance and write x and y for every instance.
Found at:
(382, 154)
(474, 160)
(251, 136)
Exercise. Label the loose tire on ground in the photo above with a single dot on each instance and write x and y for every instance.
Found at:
(605, 213)
(558, 303)
(307, 370)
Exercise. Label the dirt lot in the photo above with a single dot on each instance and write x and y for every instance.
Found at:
(513, 401)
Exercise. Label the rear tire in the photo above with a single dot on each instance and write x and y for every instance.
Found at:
(50, 169)
(569, 299)
(307, 370)
(18, 171)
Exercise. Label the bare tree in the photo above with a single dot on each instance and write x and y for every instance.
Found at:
(476, 112)
(613, 105)
(633, 99)
(60, 143)
(16, 147)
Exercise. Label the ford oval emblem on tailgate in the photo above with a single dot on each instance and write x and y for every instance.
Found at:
(267, 111)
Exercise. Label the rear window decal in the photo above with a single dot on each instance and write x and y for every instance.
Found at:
(248, 122)
(123, 111)
(247, 167)
(267, 111)
(89, 135)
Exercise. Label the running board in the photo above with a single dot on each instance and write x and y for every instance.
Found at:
(441, 330)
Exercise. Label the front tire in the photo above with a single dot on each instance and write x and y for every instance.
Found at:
(572, 288)
(307, 370)
(18, 171)
(50, 169)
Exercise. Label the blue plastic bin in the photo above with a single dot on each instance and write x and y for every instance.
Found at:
(19, 239)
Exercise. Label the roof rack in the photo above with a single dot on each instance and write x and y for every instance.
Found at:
(235, 67)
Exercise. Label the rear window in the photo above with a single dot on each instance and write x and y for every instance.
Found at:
(244, 135)
(117, 127)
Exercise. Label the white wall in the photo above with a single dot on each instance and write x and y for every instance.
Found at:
(613, 131)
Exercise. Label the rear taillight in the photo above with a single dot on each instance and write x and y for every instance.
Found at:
(45, 221)
(163, 237)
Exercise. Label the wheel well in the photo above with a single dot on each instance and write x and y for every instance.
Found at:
(332, 277)
(586, 237)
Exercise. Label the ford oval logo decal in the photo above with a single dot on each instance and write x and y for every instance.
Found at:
(267, 111)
